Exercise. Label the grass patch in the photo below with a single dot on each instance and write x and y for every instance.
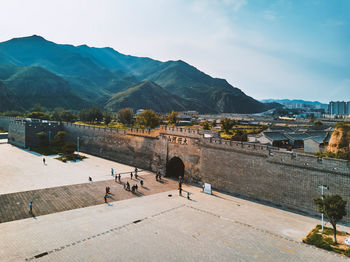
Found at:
(323, 240)
(70, 157)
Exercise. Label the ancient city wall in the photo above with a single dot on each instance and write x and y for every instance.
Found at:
(5, 121)
(256, 171)
(263, 173)
(132, 149)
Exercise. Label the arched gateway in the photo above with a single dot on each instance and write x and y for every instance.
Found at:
(175, 168)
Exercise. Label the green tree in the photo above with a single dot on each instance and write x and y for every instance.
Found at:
(318, 123)
(227, 124)
(126, 116)
(67, 116)
(92, 114)
(333, 207)
(38, 108)
(43, 138)
(148, 118)
(213, 123)
(68, 148)
(38, 115)
(173, 118)
(205, 125)
(56, 115)
(107, 118)
(59, 138)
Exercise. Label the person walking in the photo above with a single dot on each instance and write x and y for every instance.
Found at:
(180, 191)
(127, 186)
(105, 197)
(31, 207)
(90, 179)
(188, 196)
(112, 171)
(131, 175)
(141, 182)
(44, 161)
(116, 178)
(119, 177)
(136, 172)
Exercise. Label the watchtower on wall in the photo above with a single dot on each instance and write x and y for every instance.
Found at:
(24, 132)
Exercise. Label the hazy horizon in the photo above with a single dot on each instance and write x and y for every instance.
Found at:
(269, 49)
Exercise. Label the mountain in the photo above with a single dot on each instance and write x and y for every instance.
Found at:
(146, 94)
(281, 101)
(25, 86)
(102, 76)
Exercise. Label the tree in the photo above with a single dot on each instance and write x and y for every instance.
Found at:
(43, 138)
(59, 138)
(126, 116)
(107, 118)
(148, 118)
(67, 116)
(213, 123)
(38, 108)
(173, 118)
(68, 148)
(38, 115)
(318, 123)
(333, 207)
(92, 114)
(205, 125)
(227, 124)
(56, 115)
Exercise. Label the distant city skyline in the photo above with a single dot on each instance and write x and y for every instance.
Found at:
(269, 49)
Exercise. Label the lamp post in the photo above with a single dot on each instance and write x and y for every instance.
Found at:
(78, 147)
(322, 188)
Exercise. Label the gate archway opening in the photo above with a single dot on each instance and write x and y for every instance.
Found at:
(175, 168)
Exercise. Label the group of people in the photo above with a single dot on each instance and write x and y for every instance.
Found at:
(158, 176)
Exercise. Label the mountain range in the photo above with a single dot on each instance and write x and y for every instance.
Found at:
(34, 70)
(281, 101)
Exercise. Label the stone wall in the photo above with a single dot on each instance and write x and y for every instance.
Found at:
(131, 149)
(5, 121)
(256, 171)
(281, 178)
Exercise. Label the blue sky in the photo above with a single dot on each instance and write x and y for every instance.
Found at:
(268, 48)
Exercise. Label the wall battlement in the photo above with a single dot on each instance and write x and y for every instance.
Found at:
(283, 157)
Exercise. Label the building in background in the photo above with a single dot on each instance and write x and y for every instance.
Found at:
(339, 108)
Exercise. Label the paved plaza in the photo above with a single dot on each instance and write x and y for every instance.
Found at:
(158, 225)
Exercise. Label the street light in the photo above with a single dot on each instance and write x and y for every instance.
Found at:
(322, 188)
(78, 147)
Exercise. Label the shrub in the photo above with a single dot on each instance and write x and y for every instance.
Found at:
(68, 148)
(317, 240)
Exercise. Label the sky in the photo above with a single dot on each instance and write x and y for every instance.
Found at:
(296, 49)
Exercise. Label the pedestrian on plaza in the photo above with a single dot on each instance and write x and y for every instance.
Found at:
(141, 182)
(157, 176)
(136, 187)
(124, 186)
(107, 190)
(133, 189)
(105, 197)
(90, 179)
(131, 175)
(160, 176)
(119, 177)
(188, 196)
(44, 161)
(136, 170)
(180, 191)
(116, 178)
(127, 186)
(112, 171)
(31, 207)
